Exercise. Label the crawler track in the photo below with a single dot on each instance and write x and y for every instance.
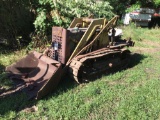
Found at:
(90, 66)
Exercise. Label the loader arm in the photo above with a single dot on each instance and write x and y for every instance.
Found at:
(81, 22)
(76, 22)
(90, 31)
(95, 23)
(110, 24)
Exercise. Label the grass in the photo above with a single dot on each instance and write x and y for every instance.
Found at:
(129, 94)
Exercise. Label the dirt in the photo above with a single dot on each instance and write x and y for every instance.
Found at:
(151, 43)
(146, 50)
(30, 109)
(154, 47)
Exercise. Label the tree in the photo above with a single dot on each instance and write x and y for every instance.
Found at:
(157, 3)
(119, 6)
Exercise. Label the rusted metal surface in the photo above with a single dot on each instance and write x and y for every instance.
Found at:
(35, 74)
(63, 43)
(59, 37)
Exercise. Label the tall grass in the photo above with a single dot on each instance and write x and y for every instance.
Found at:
(139, 33)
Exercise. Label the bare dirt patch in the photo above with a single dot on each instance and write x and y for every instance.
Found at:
(146, 50)
(116, 82)
(151, 43)
(150, 47)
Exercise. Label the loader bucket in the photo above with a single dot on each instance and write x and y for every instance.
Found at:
(38, 73)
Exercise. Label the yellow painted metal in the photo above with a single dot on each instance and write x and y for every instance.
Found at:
(75, 22)
(95, 23)
(106, 28)
(82, 22)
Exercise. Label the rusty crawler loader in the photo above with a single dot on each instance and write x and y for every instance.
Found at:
(83, 51)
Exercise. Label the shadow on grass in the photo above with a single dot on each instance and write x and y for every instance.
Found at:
(13, 102)
(136, 58)
(4, 49)
(67, 83)
(18, 102)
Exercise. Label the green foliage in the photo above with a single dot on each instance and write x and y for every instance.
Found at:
(61, 13)
(119, 5)
(147, 3)
(157, 3)
(133, 7)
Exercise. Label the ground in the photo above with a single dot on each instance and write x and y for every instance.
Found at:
(132, 93)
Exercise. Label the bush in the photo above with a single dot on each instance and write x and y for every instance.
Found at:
(17, 19)
(61, 13)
